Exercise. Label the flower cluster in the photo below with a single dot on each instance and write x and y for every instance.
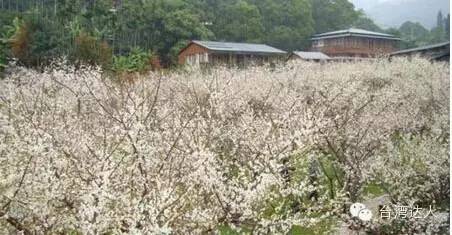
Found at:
(191, 152)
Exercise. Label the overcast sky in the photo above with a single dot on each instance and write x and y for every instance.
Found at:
(392, 13)
(366, 4)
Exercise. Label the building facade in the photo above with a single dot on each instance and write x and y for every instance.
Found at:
(354, 43)
(201, 53)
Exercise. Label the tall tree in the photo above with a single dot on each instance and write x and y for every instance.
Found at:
(288, 24)
(240, 22)
(364, 22)
(438, 34)
(440, 20)
(333, 14)
(447, 25)
(414, 32)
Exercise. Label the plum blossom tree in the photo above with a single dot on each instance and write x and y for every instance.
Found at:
(261, 149)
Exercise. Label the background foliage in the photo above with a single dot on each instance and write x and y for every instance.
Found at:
(52, 28)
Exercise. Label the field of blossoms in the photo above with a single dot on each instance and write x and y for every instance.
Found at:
(263, 150)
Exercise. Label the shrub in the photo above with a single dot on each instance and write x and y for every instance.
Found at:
(136, 61)
(3, 54)
(91, 51)
(31, 41)
(20, 40)
(413, 171)
(7, 36)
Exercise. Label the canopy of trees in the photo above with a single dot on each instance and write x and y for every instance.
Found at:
(415, 34)
(50, 28)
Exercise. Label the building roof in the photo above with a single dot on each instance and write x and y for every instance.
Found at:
(311, 55)
(442, 56)
(354, 32)
(238, 48)
(423, 48)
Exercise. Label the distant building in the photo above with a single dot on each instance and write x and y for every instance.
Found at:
(309, 56)
(354, 43)
(198, 53)
(436, 52)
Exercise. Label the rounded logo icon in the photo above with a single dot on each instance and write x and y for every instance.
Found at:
(356, 208)
(365, 215)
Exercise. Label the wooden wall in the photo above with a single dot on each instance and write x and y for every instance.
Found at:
(191, 49)
(354, 46)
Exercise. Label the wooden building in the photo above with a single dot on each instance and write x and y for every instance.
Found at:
(436, 52)
(354, 43)
(198, 53)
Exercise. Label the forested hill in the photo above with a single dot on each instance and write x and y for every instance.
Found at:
(165, 26)
(45, 29)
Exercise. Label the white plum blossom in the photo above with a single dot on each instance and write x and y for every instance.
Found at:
(262, 149)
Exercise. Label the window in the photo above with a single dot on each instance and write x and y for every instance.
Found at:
(189, 60)
(195, 59)
(320, 43)
(204, 58)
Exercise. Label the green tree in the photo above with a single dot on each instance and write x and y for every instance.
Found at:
(156, 25)
(179, 27)
(34, 41)
(414, 33)
(288, 24)
(7, 29)
(447, 25)
(439, 33)
(364, 22)
(240, 22)
(440, 20)
(332, 15)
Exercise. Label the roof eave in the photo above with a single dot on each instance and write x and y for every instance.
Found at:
(248, 52)
(355, 35)
(420, 49)
(199, 43)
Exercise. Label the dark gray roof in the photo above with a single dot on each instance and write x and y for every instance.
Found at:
(311, 55)
(354, 32)
(240, 48)
(423, 48)
(441, 56)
